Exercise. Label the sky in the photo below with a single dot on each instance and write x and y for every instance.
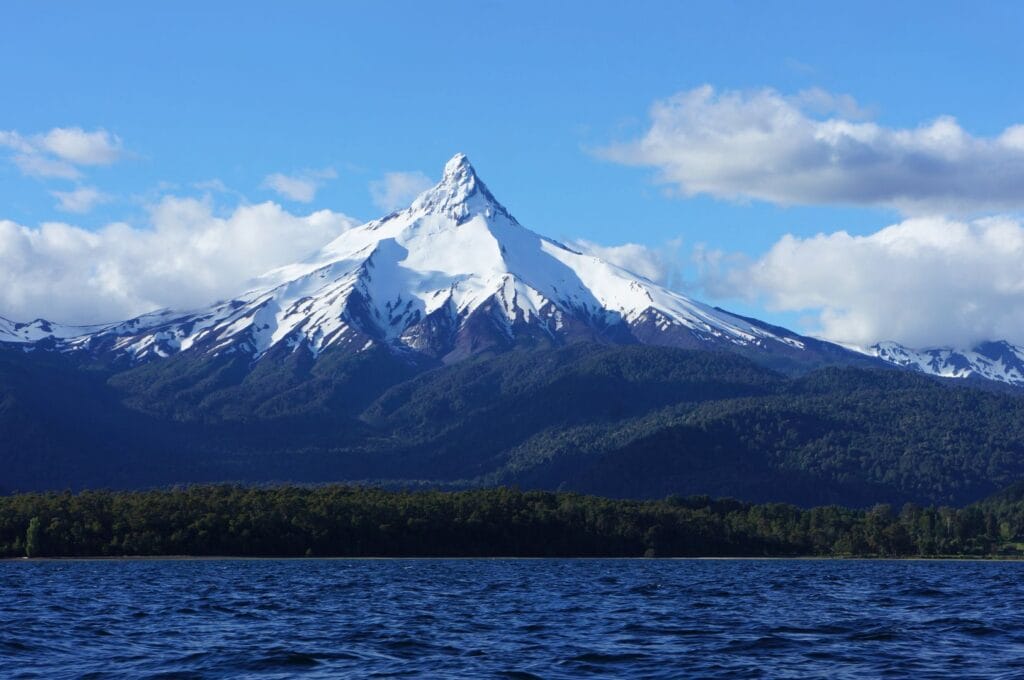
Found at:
(854, 172)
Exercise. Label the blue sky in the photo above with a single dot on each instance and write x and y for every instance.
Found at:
(341, 94)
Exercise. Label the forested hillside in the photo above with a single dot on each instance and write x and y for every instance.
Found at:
(619, 421)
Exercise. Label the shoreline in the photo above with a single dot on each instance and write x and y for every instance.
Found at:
(269, 558)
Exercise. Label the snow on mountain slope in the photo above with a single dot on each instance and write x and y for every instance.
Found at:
(998, 361)
(457, 249)
(452, 274)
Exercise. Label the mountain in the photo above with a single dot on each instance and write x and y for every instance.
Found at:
(448, 345)
(453, 275)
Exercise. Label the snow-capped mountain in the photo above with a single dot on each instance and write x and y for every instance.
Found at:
(451, 275)
(998, 361)
(455, 274)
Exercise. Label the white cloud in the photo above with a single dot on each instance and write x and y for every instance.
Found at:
(923, 282)
(34, 165)
(302, 186)
(77, 146)
(13, 140)
(79, 200)
(398, 189)
(57, 153)
(186, 256)
(660, 265)
(763, 145)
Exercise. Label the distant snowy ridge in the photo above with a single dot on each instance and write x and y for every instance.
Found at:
(998, 361)
(41, 329)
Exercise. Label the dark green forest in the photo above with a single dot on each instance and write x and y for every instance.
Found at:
(344, 521)
(618, 421)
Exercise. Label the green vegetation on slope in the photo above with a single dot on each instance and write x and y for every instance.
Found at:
(617, 421)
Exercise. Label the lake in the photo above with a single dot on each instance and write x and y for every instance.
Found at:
(511, 618)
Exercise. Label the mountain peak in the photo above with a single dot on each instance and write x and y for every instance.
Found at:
(460, 194)
(458, 168)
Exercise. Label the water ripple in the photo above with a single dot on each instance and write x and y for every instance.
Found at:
(510, 618)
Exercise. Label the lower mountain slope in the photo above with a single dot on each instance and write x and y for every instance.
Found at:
(631, 421)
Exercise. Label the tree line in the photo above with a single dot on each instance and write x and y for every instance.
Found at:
(346, 521)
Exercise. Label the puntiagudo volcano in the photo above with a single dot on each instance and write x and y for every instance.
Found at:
(446, 345)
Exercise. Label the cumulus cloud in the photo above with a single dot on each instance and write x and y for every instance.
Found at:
(187, 255)
(398, 189)
(923, 282)
(79, 200)
(60, 152)
(77, 146)
(660, 265)
(812, 149)
(301, 186)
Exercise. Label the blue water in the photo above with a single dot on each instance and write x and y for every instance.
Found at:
(511, 618)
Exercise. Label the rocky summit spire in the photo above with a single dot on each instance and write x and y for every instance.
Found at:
(460, 193)
(459, 169)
